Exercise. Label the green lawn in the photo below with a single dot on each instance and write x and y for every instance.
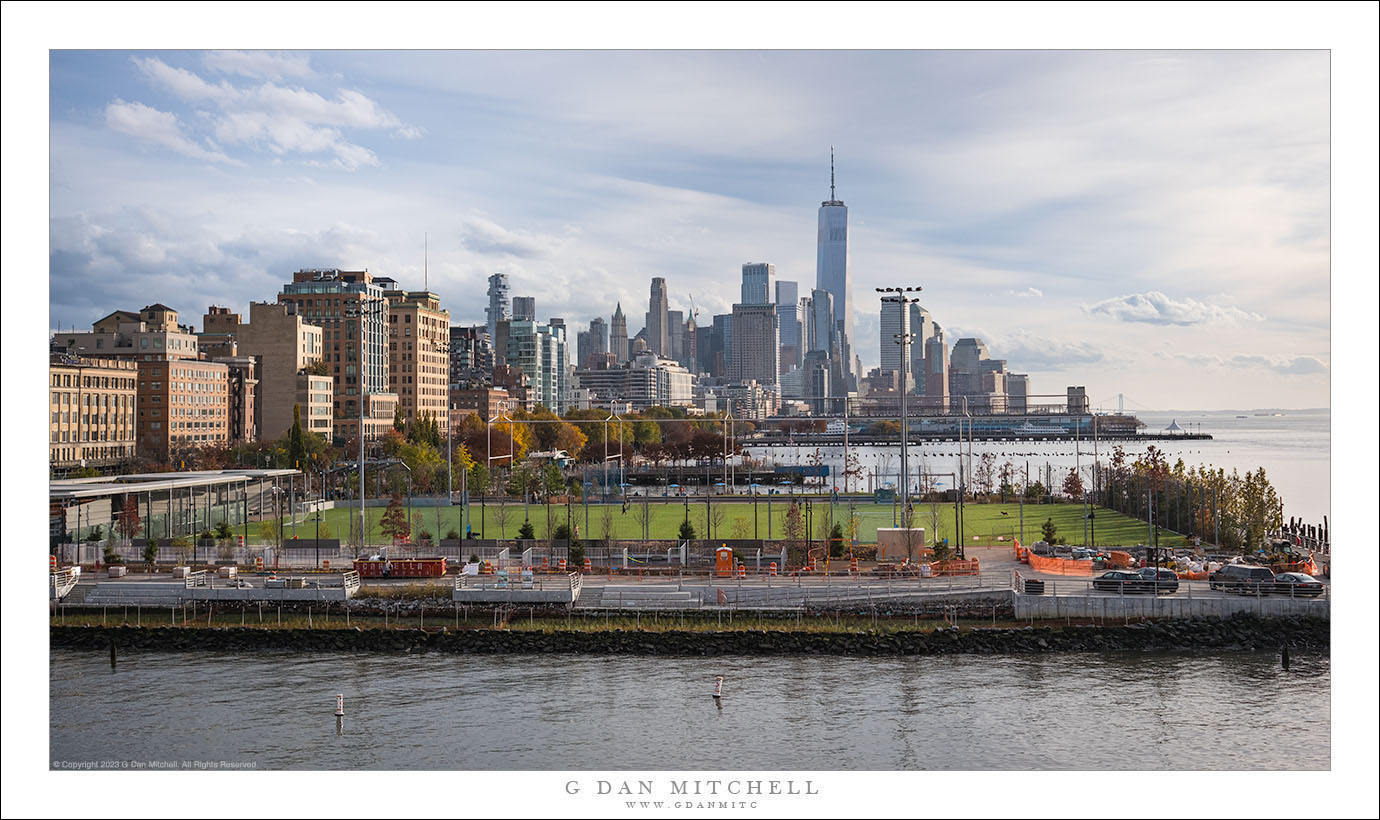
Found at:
(735, 519)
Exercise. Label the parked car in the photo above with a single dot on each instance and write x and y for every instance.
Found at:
(1298, 585)
(1121, 580)
(1247, 578)
(1166, 582)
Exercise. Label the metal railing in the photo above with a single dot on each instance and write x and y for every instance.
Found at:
(350, 580)
(571, 581)
(195, 579)
(1090, 587)
(61, 582)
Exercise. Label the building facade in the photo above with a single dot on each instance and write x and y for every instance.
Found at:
(92, 405)
(352, 312)
(419, 355)
(756, 346)
(759, 280)
(658, 330)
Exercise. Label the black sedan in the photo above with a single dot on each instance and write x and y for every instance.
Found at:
(1160, 580)
(1122, 580)
(1297, 585)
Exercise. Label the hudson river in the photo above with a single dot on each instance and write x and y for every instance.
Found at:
(267, 711)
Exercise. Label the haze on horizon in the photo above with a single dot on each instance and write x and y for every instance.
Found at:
(1150, 223)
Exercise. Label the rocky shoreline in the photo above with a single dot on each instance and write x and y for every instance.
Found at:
(1235, 633)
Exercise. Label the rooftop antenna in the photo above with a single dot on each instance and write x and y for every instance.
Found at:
(831, 173)
(426, 279)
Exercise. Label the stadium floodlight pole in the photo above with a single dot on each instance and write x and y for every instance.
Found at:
(367, 308)
(904, 338)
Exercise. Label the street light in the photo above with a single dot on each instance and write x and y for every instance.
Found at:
(368, 307)
(904, 338)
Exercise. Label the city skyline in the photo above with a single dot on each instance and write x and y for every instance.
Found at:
(1081, 243)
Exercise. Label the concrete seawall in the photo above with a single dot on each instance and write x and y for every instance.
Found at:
(1240, 633)
(1117, 607)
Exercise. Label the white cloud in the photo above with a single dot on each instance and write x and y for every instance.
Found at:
(259, 64)
(1157, 309)
(158, 127)
(1280, 365)
(1028, 293)
(278, 119)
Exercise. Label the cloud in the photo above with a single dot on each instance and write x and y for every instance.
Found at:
(259, 64)
(1279, 365)
(158, 127)
(278, 119)
(484, 236)
(1028, 293)
(1155, 308)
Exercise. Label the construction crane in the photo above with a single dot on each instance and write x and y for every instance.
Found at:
(694, 314)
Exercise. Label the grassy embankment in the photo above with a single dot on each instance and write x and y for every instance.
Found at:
(735, 519)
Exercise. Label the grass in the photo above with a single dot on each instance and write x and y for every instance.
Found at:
(736, 520)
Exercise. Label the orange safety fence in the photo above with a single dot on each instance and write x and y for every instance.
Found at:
(1061, 566)
(1201, 575)
(955, 567)
(1119, 559)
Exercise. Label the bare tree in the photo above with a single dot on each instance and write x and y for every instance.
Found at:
(502, 515)
(643, 514)
(606, 523)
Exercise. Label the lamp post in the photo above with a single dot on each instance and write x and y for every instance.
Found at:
(903, 300)
(368, 308)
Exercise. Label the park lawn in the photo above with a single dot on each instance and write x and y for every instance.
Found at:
(982, 523)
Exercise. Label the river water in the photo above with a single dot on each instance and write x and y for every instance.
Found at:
(1128, 711)
(1292, 447)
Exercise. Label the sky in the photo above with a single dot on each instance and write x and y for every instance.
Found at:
(1149, 223)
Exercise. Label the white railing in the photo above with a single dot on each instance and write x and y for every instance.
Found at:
(350, 580)
(195, 579)
(61, 582)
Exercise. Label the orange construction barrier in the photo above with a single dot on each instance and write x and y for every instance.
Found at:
(955, 567)
(325, 563)
(561, 565)
(773, 567)
(544, 565)
(259, 563)
(853, 566)
(1061, 566)
(1119, 559)
(52, 563)
(742, 570)
(589, 565)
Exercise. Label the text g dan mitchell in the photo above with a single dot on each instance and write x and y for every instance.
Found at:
(693, 788)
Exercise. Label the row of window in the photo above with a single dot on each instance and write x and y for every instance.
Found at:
(93, 435)
(93, 382)
(93, 400)
(93, 418)
(63, 454)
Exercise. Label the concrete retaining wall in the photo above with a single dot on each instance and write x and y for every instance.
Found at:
(513, 596)
(1165, 606)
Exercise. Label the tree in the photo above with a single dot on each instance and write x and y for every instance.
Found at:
(1050, 533)
(1006, 489)
(477, 481)
(606, 522)
(642, 513)
(96, 534)
(150, 552)
(836, 541)
(503, 513)
(1034, 491)
(687, 531)
(399, 420)
(1073, 485)
(794, 528)
(984, 473)
(394, 523)
(128, 524)
(296, 444)
(526, 531)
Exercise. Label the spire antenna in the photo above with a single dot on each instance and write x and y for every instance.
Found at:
(426, 273)
(831, 174)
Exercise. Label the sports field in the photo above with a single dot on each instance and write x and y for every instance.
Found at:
(742, 518)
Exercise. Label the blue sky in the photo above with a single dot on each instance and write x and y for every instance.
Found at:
(1148, 222)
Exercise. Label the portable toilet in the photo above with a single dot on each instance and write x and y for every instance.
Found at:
(723, 562)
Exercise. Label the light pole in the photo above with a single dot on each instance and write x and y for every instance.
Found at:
(903, 301)
(366, 310)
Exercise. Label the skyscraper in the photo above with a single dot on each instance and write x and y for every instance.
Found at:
(498, 303)
(820, 327)
(658, 334)
(524, 308)
(675, 333)
(618, 335)
(598, 335)
(788, 313)
(831, 269)
(758, 278)
(755, 344)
